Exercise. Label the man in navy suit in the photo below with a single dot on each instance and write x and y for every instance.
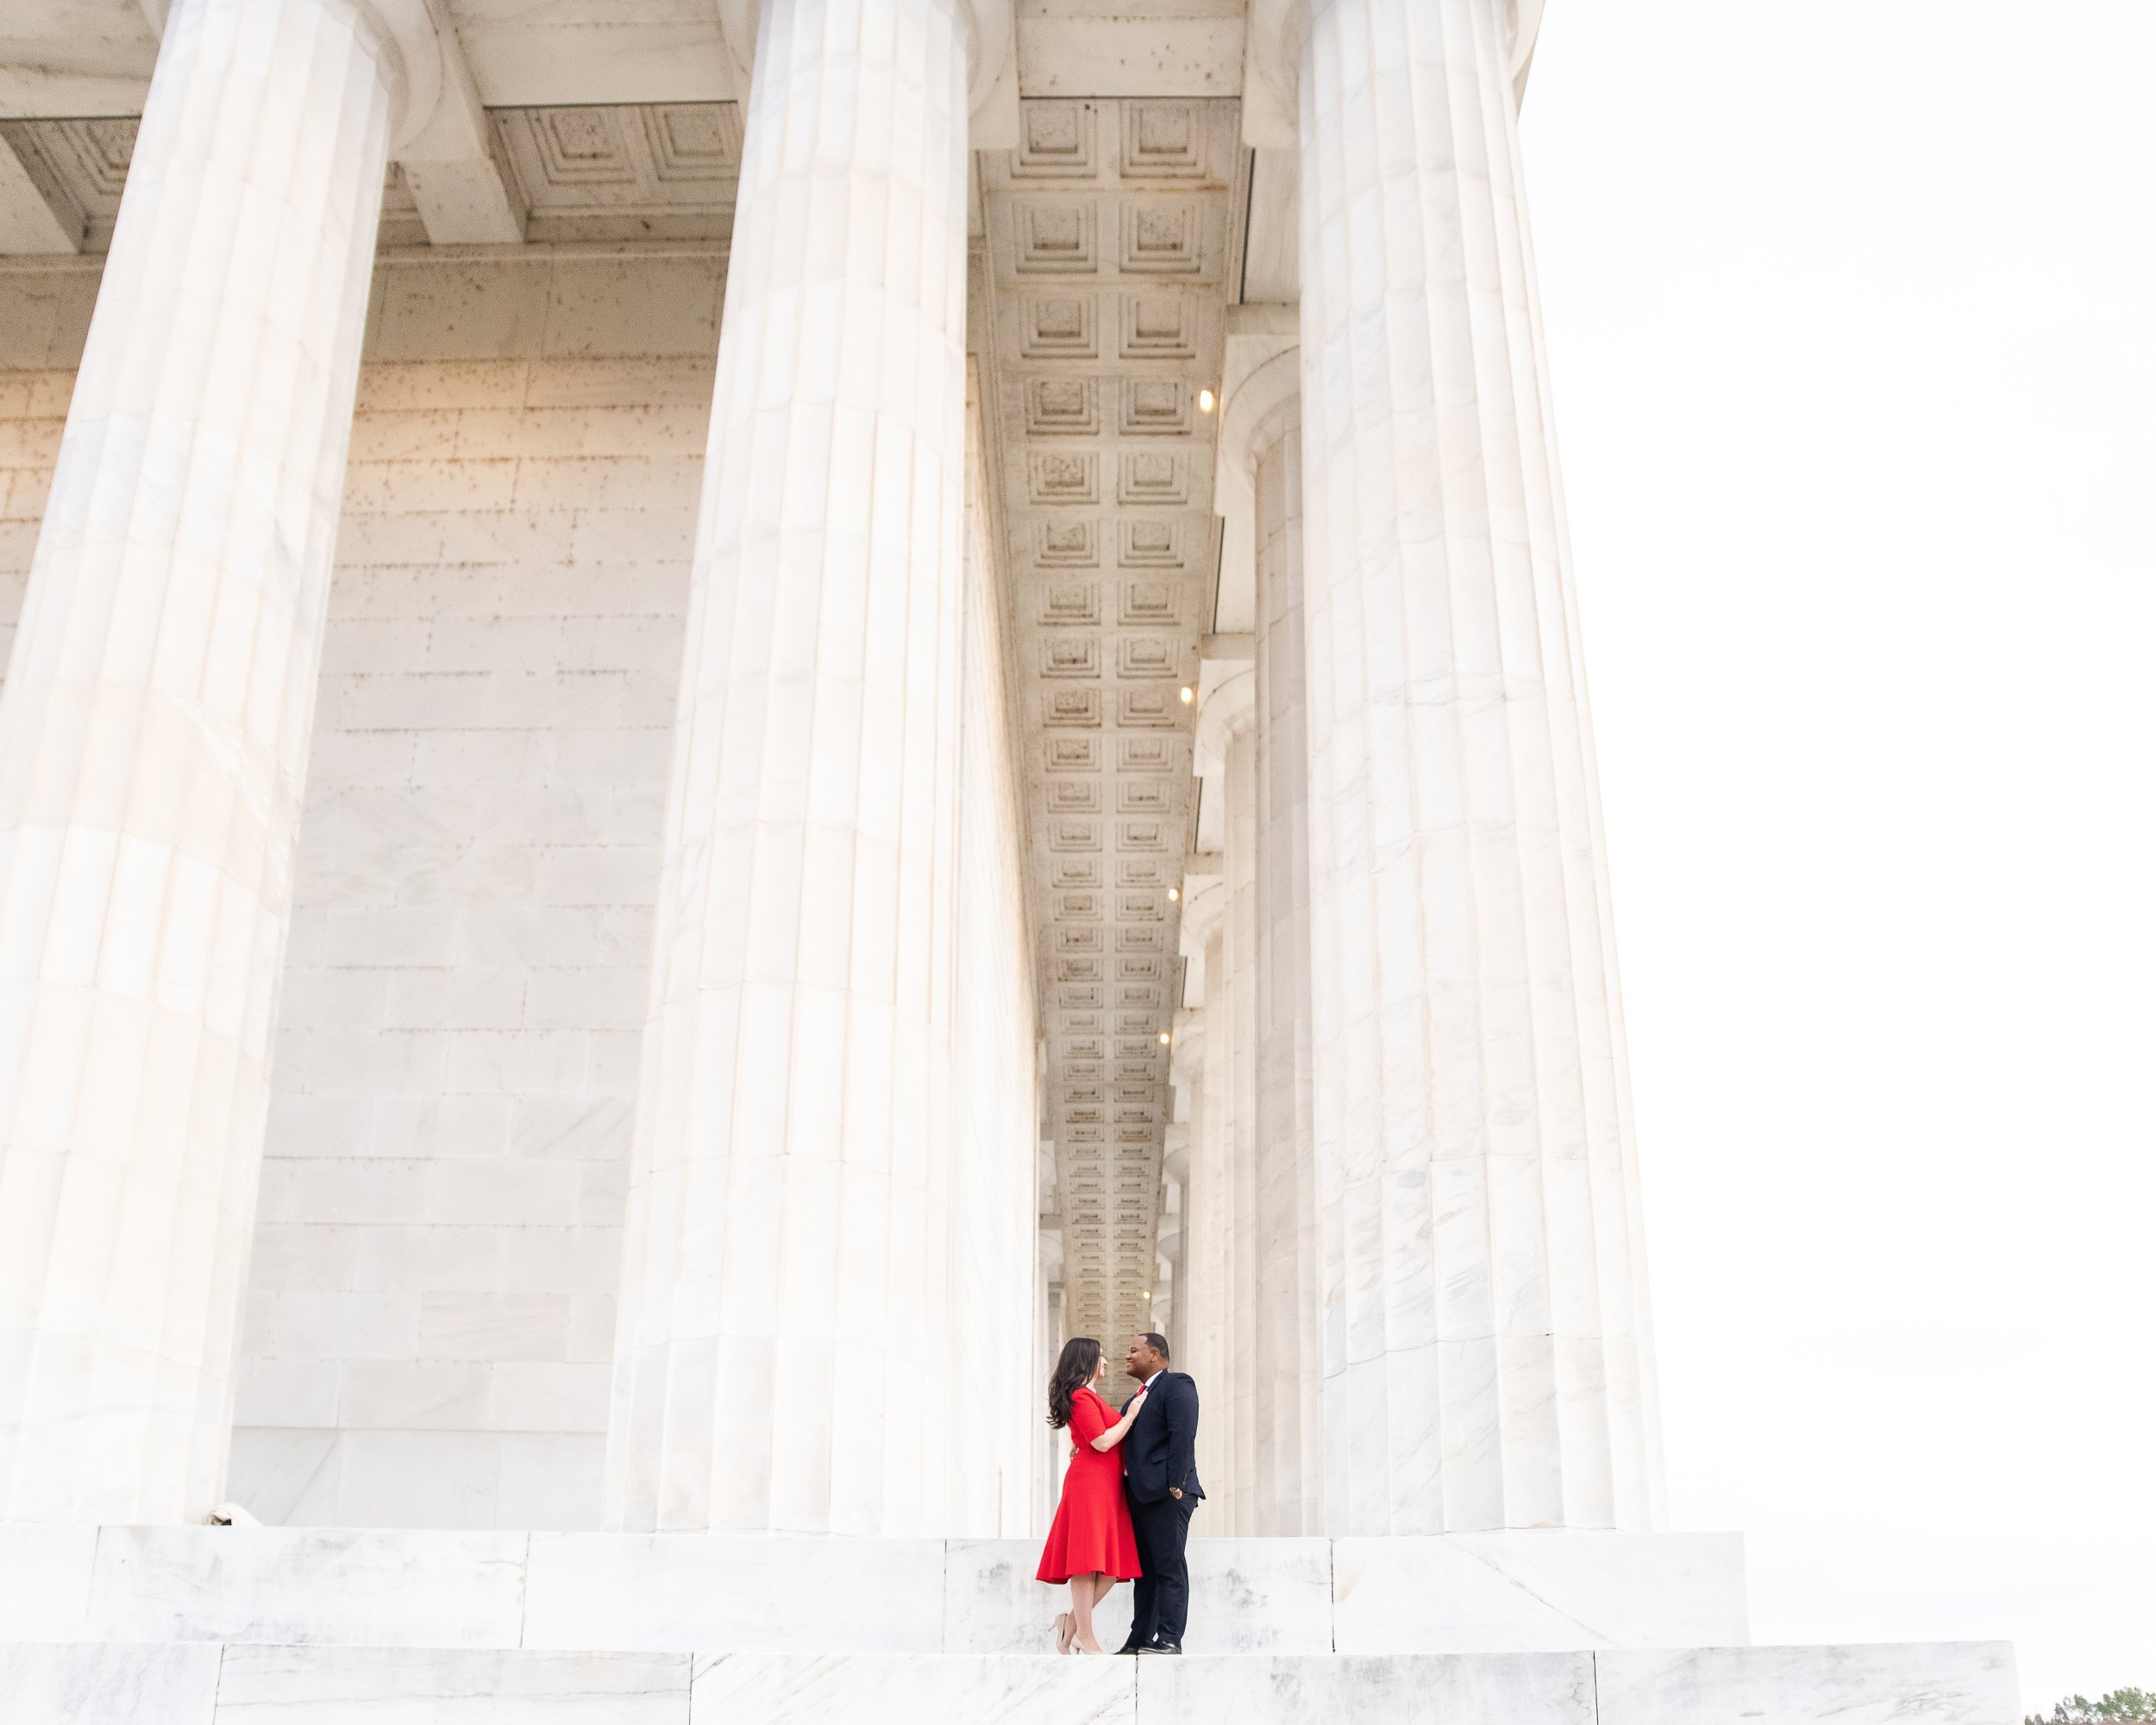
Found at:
(1160, 1477)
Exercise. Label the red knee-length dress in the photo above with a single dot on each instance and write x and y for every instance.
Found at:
(1092, 1531)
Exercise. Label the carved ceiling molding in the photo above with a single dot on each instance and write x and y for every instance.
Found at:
(660, 171)
(1113, 236)
(666, 171)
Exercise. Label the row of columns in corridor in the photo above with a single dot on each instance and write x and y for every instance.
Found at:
(1408, 1260)
(1413, 1279)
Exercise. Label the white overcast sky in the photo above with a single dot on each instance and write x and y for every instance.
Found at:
(1851, 316)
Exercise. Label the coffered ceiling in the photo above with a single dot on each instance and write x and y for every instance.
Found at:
(1112, 235)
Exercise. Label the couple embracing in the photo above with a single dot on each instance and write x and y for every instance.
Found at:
(1127, 1497)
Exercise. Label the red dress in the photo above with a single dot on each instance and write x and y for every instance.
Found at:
(1092, 1531)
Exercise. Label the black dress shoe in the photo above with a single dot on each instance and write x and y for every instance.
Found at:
(1159, 1646)
(1130, 1647)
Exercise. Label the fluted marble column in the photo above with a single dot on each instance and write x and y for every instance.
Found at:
(781, 1359)
(153, 742)
(1227, 754)
(1286, 1411)
(1204, 1051)
(1486, 1344)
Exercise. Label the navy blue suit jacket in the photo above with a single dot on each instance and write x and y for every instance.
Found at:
(1159, 1450)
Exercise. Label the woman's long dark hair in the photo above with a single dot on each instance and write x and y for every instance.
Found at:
(1081, 1358)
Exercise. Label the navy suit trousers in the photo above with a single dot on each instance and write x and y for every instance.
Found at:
(1160, 1598)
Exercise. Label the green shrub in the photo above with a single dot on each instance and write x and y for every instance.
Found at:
(2121, 1706)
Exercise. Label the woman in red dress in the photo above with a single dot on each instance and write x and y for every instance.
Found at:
(1091, 1545)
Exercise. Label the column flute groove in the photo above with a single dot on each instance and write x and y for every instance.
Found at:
(1485, 1363)
(152, 749)
(786, 1262)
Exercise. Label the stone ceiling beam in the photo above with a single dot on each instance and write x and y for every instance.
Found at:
(451, 159)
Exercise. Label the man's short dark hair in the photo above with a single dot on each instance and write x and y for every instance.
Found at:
(1158, 1344)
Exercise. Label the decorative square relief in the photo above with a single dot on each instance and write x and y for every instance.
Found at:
(1061, 326)
(1147, 603)
(1073, 873)
(1060, 237)
(1147, 795)
(1158, 326)
(1061, 407)
(694, 140)
(1074, 835)
(1152, 940)
(1074, 796)
(669, 170)
(1070, 656)
(1064, 708)
(1077, 907)
(1147, 657)
(82, 162)
(1145, 754)
(1148, 545)
(1141, 907)
(1142, 835)
(1072, 753)
(1154, 478)
(1140, 871)
(1068, 604)
(1059, 477)
(1057, 141)
(1083, 968)
(1164, 141)
(1159, 236)
(576, 145)
(1153, 407)
(1066, 544)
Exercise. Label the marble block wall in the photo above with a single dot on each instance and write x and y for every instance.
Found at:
(33, 411)
(45, 307)
(431, 1315)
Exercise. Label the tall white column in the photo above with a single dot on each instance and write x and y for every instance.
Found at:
(1203, 1050)
(1286, 1413)
(1486, 1338)
(1227, 754)
(153, 742)
(781, 1359)
(996, 1116)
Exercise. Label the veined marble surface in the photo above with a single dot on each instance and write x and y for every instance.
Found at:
(677, 1592)
(847, 1687)
(1538, 1591)
(91, 1683)
(448, 1686)
(1954, 1683)
(367, 1587)
(88, 1684)
(1516, 1689)
(713, 1591)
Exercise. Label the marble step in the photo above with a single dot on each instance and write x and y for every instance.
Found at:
(208, 1683)
(1457, 1594)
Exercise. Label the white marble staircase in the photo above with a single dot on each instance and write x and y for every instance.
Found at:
(183, 1626)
